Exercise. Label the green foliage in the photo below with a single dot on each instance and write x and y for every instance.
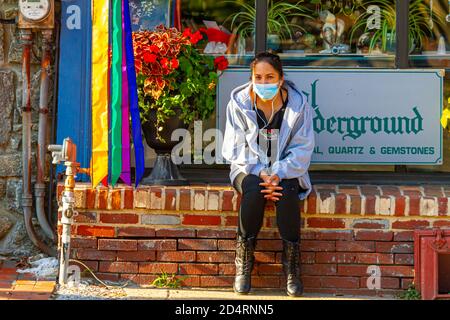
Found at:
(418, 17)
(192, 90)
(410, 294)
(168, 281)
(278, 18)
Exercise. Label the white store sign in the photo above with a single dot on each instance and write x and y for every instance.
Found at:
(364, 116)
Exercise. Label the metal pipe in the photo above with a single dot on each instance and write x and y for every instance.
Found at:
(42, 136)
(68, 201)
(67, 153)
(27, 198)
(51, 175)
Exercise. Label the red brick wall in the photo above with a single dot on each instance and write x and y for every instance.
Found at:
(124, 233)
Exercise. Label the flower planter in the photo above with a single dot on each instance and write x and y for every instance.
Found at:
(164, 172)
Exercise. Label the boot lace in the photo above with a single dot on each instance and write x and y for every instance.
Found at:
(293, 268)
(244, 258)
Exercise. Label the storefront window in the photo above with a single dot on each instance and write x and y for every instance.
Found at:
(341, 33)
(331, 33)
(229, 25)
(431, 45)
(433, 51)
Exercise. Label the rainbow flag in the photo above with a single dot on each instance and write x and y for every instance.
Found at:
(114, 115)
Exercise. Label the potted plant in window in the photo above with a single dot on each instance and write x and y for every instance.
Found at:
(176, 86)
(279, 17)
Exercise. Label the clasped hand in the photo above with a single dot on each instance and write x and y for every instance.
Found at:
(271, 184)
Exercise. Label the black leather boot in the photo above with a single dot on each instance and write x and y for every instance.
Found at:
(244, 264)
(291, 267)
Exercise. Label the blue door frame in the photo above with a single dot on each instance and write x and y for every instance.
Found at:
(74, 111)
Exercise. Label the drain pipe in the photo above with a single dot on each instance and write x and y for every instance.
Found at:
(27, 198)
(39, 187)
(51, 174)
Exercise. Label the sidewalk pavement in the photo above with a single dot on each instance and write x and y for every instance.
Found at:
(228, 294)
(16, 286)
(23, 286)
(87, 291)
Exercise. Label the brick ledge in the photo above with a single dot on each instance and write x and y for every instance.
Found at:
(364, 200)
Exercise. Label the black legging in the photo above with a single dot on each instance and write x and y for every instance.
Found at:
(251, 212)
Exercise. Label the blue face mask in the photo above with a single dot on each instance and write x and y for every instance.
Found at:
(266, 91)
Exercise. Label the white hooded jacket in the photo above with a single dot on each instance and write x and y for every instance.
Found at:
(295, 142)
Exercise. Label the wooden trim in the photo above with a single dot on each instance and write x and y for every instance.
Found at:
(261, 26)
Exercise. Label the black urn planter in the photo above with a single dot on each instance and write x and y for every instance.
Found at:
(164, 171)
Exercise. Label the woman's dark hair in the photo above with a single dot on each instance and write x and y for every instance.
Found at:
(271, 58)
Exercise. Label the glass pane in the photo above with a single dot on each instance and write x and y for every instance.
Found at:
(430, 48)
(429, 33)
(445, 167)
(146, 15)
(220, 18)
(341, 33)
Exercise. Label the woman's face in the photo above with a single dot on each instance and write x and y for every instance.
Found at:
(264, 73)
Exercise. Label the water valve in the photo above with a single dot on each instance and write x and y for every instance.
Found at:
(65, 152)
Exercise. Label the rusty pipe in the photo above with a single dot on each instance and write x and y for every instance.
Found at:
(51, 174)
(39, 187)
(27, 198)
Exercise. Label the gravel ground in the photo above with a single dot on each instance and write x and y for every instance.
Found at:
(91, 290)
(87, 290)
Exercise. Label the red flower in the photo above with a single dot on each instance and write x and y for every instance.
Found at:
(221, 63)
(196, 37)
(165, 63)
(154, 48)
(149, 57)
(193, 37)
(187, 32)
(174, 63)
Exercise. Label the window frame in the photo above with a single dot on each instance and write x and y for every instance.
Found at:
(401, 53)
(399, 176)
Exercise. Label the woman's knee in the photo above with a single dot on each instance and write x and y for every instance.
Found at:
(250, 184)
(291, 188)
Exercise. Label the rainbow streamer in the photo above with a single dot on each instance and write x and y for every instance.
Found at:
(133, 98)
(126, 171)
(115, 74)
(116, 94)
(100, 22)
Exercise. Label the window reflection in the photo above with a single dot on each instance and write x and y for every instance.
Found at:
(335, 33)
(434, 50)
(229, 25)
